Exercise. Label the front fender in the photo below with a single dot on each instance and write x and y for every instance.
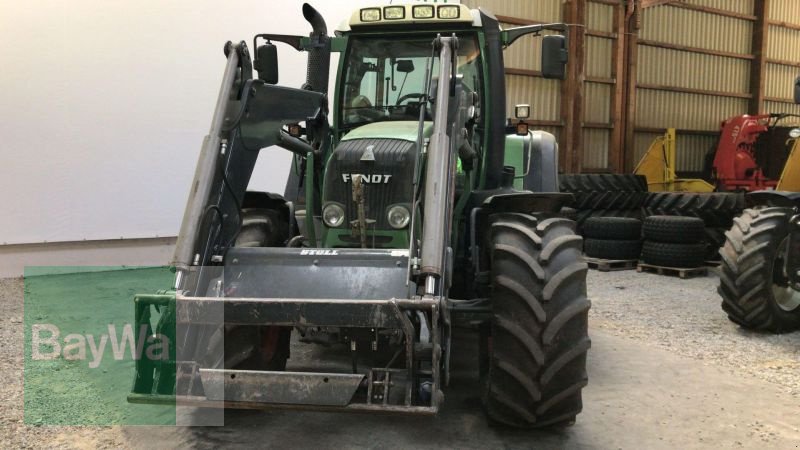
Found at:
(781, 199)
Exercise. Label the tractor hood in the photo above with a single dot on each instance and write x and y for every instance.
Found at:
(403, 130)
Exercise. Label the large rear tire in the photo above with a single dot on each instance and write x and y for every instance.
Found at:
(539, 330)
(753, 284)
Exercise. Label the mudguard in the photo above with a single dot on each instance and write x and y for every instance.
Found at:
(773, 198)
(535, 158)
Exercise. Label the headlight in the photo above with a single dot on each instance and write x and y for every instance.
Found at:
(423, 12)
(394, 12)
(333, 215)
(398, 217)
(449, 12)
(370, 14)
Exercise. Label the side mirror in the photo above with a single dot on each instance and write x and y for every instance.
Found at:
(797, 91)
(266, 63)
(554, 56)
(405, 65)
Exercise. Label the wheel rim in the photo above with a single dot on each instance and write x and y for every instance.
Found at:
(785, 297)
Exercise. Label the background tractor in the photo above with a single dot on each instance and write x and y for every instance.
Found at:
(759, 278)
(410, 208)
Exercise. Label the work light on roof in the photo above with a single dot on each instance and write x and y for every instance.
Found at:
(449, 12)
(423, 12)
(371, 15)
(394, 12)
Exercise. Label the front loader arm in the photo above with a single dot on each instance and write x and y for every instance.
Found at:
(439, 182)
(249, 116)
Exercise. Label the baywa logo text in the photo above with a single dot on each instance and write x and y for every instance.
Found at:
(47, 344)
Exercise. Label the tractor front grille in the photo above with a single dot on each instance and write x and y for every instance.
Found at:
(388, 176)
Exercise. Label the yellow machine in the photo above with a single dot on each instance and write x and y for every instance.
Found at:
(790, 178)
(658, 165)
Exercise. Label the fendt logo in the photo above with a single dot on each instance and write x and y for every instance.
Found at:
(367, 179)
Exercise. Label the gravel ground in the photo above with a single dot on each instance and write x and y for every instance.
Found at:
(685, 317)
(13, 432)
(682, 316)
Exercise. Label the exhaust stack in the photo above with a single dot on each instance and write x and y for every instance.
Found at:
(319, 52)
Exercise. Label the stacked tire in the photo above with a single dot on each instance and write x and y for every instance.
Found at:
(674, 241)
(605, 195)
(612, 238)
(716, 209)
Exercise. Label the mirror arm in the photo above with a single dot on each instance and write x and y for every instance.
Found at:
(295, 42)
(511, 35)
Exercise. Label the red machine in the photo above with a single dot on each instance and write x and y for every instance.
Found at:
(736, 163)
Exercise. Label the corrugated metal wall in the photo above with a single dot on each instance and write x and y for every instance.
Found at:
(694, 68)
(783, 45)
(671, 40)
(524, 85)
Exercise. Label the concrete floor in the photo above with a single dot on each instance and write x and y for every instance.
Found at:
(666, 370)
(638, 397)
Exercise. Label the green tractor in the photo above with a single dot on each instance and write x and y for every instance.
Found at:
(412, 207)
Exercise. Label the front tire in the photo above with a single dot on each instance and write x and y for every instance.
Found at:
(755, 290)
(255, 347)
(539, 330)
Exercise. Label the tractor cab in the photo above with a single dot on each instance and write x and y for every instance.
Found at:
(385, 105)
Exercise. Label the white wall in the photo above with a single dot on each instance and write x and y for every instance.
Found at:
(104, 104)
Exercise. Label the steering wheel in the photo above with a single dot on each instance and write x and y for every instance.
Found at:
(407, 97)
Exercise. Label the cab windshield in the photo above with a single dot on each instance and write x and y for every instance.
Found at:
(385, 77)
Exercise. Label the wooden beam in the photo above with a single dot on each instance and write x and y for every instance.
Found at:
(600, 80)
(608, 2)
(714, 11)
(538, 74)
(758, 68)
(684, 90)
(787, 25)
(572, 88)
(703, 51)
(597, 126)
(523, 72)
(601, 34)
(616, 153)
(783, 62)
(543, 123)
(650, 130)
(789, 101)
(651, 3)
(632, 25)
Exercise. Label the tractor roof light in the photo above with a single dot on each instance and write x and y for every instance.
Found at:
(423, 12)
(397, 15)
(449, 12)
(371, 15)
(394, 12)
